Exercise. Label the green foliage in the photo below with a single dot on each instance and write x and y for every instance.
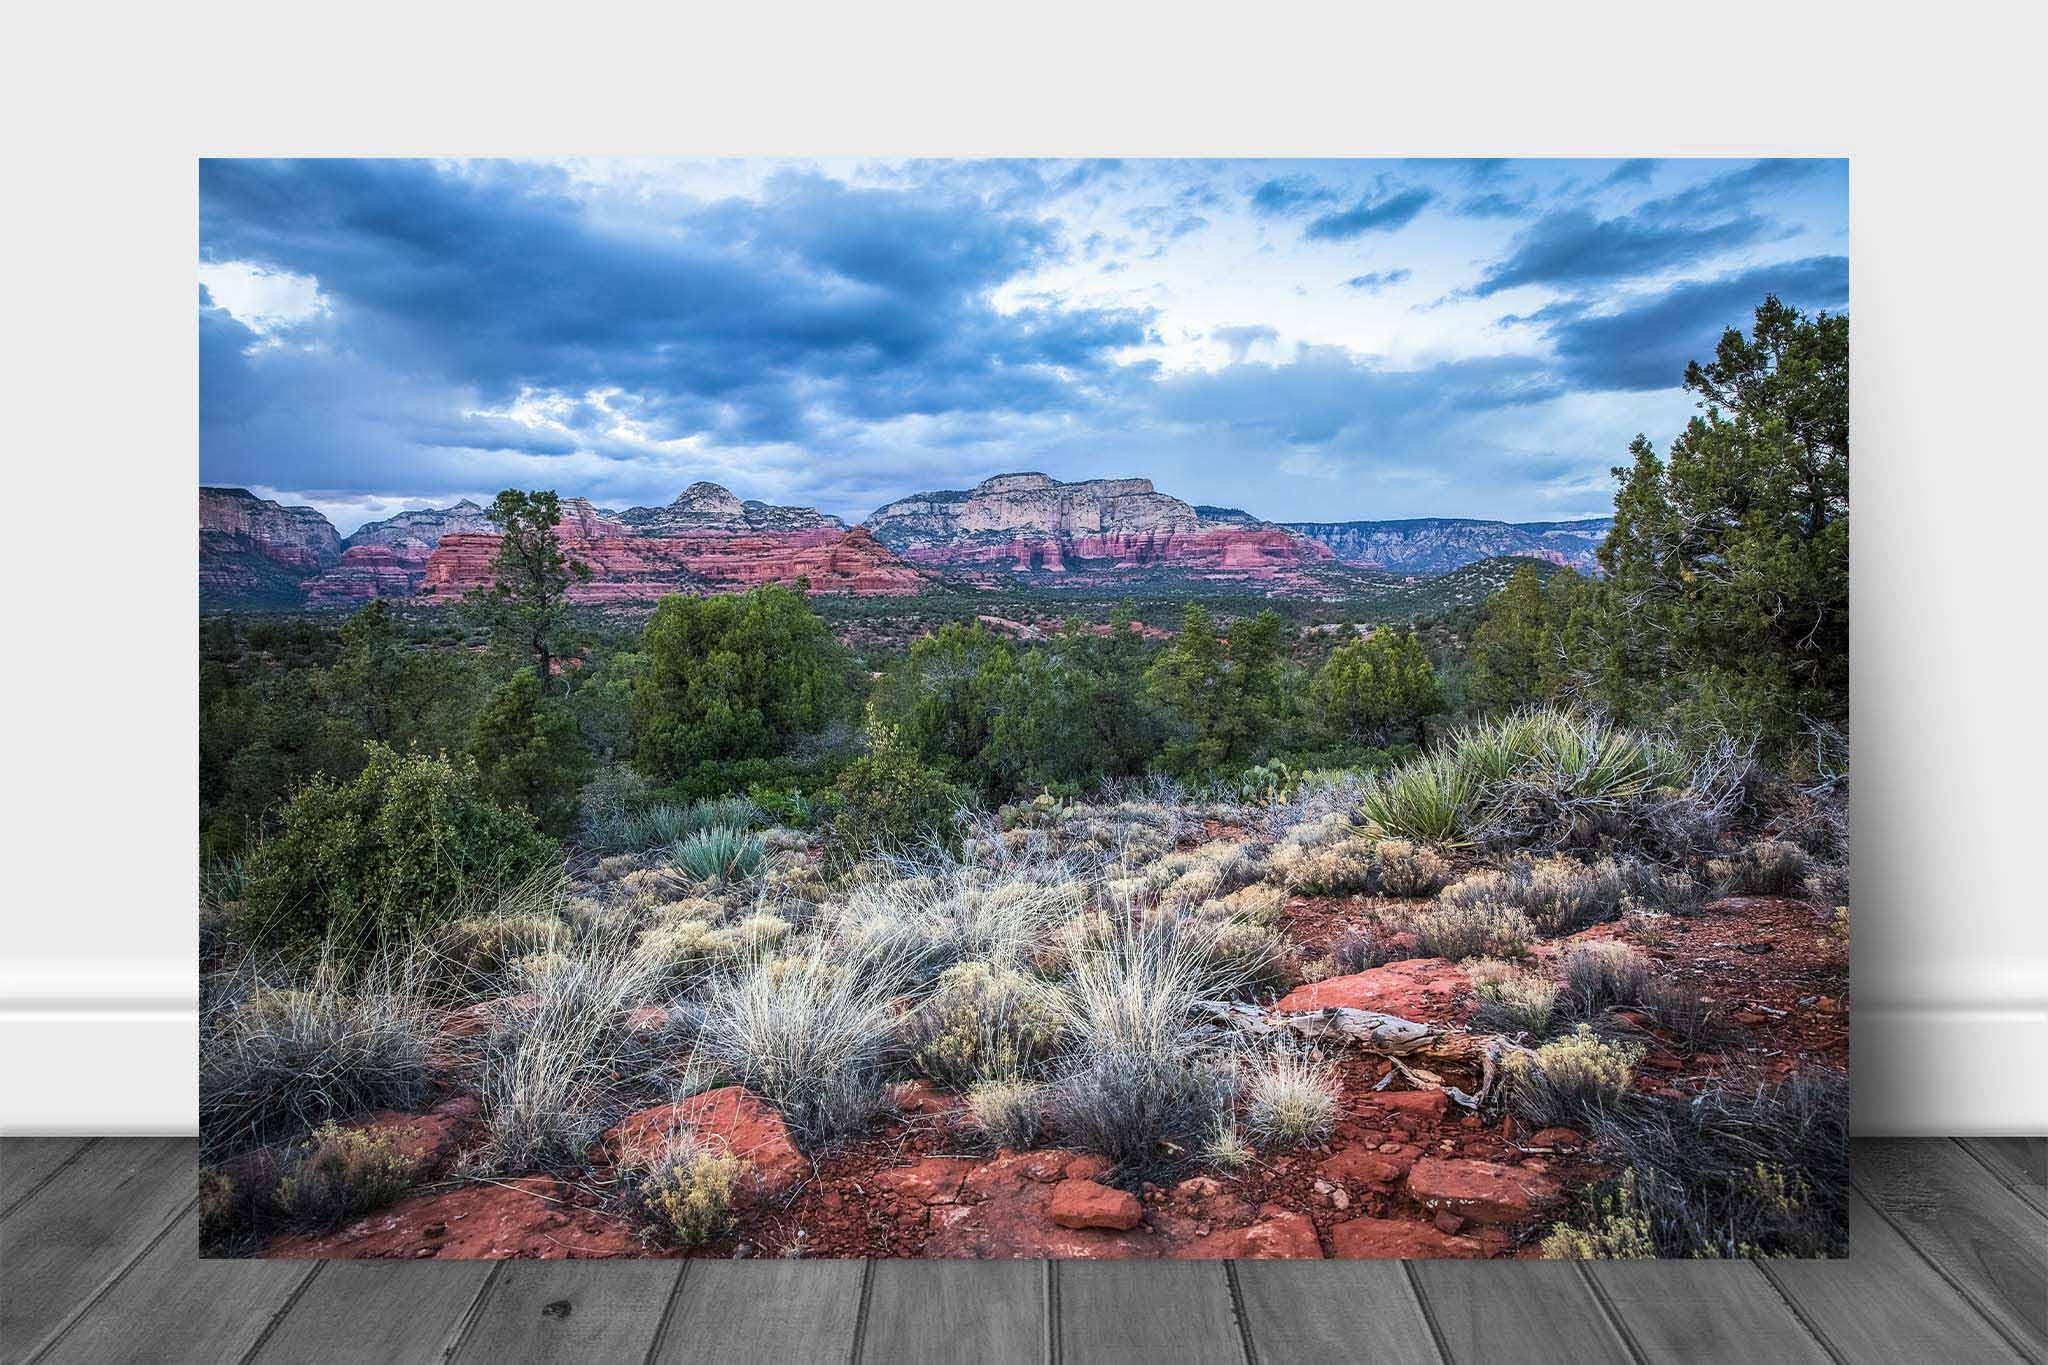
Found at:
(1372, 687)
(887, 800)
(1521, 652)
(1223, 698)
(1010, 721)
(527, 607)
(734, 677)
(718, 854)
(1726, 604)
(368, 863)
(529, 753)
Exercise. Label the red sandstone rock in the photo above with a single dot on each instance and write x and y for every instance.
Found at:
(728, 1119)
(1481, 1191)
(934, 1180)
(1415, 1103)
(1562, 1139)
(1426, 989)
(633, 568)
(1085, 1204)
(1355, 1166)
(532, 1217)
(1398, 1239)
(1280, 1234)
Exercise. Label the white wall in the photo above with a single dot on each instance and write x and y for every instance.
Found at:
(1951, 956)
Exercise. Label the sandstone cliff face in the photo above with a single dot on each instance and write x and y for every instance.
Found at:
(1437, 545)
(709, 507)
(254, 552)
(388, 558)
(1031, 523)
(641, 568)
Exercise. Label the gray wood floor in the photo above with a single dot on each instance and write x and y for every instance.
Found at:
(1949, 1262)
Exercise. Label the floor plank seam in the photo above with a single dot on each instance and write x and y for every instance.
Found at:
(1436, 1333)
(1053, 1348)
(55, 1171)
(2025, 1195)
(860, 1316)
(1612, 1314)
(668, 1310)
(2019, 1348)
(473, 1314)
(277, 1318)
(94, 1299)
(1799, 1314)
(1244, 1321)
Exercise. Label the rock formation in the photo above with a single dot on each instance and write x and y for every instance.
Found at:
(1437, 545)
(708, 507)
(1034, 524)
(640, 568)
(252, 550)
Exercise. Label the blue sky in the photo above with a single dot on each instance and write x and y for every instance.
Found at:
(1310, 340)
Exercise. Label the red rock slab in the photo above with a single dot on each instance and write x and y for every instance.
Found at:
(1085, 1204)
(1419, 1103)
(934, 1180)
(1426, 989)
(530, 1218)
(1562, 1139)
(1279, 1234)
(1356, 1167)
(1390, 1239)
(729, 1119)
(1480, 1191)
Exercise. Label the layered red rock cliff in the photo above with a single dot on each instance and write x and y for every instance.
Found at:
(634, 568)
(1034, 524)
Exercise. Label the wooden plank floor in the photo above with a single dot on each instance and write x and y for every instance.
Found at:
(1949, 1261)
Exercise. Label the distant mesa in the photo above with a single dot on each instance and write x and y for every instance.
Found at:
(1437, 545)
(1032, 524)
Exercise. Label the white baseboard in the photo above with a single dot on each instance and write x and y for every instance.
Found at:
(117, 1057)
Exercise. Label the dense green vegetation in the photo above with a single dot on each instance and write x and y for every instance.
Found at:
(1722, 611)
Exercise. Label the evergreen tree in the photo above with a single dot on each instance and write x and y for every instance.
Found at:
(1727, 591)
(1224, 698)
(528, 602)
(1373, 687)
(734, 677)
(1521, 651)
(529, 755)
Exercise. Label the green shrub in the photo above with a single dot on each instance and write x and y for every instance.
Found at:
(1291, 1098)
(1571, 1081)
(985, 1024)
(1009, 1112)
(1458, 932)
(1770, 867)
(887, 800)
(343, 1173)
(1408, 869)
(685, 1193)
(1601, 976)
(367, 864)
(1508, 999)
(529, 753)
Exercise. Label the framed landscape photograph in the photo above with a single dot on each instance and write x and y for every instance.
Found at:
(909, 708)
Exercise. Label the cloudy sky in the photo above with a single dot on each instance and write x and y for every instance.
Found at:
(1308, 340)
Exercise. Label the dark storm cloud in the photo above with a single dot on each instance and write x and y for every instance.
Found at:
(1572, 247)
(1384, 214)
(739, 320)
(1647, 344)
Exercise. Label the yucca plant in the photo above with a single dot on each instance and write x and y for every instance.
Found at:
(718, 854)
(1431, 800)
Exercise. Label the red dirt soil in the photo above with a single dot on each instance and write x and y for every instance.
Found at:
(1406, 1173)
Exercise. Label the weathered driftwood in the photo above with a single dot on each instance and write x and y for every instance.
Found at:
(1416, 1050)
(1389, 1034)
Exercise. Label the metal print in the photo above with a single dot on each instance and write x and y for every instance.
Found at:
(1024, 708)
